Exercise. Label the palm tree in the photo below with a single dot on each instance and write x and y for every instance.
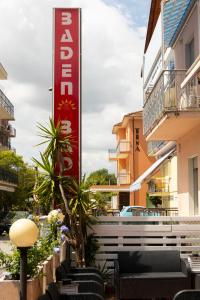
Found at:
(53, 186)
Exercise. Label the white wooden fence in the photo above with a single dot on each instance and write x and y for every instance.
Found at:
(116, 234)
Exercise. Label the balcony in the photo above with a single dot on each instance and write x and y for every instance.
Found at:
(159, 186)
(112, 154)
(11, 131)
(8, 176)
(123, 178)
(6, 108)
(4, 140)
(122, 150)
(167, 107)
(8, 180)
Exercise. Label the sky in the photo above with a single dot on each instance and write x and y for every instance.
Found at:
(113, 34)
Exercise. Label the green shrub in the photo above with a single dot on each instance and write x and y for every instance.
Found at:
(35, 256)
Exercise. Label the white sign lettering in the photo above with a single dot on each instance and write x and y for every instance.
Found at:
(66, 18)
(66, 37)
(66, 70)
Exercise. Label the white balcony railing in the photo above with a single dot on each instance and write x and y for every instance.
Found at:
(166, 95)
(123, 146)
(123, 178)
(112, 153)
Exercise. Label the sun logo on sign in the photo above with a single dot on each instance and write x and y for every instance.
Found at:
(66, 105)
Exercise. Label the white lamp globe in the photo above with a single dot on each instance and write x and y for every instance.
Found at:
(23, 233)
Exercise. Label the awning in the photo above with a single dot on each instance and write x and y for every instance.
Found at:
(136, 185)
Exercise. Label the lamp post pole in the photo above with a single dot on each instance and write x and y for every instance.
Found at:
(23, 272)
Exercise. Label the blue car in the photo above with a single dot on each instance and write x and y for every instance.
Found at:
(129, 211)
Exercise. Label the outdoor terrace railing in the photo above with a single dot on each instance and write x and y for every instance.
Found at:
(116, 234)
(6, 104)
(165, 96)
(7, 176)
(123, 178)
(112, 154)
(4, 139)
(123, 146)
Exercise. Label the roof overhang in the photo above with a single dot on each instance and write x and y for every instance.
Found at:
(153, 18)
(126, 118)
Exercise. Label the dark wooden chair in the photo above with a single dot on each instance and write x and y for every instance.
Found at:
(68, 269)
(62, 273)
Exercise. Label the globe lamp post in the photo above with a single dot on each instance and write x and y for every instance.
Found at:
(23, 234)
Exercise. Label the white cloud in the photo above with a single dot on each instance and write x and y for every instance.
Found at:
(112, 58)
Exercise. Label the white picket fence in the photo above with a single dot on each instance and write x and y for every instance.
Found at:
(116, 234)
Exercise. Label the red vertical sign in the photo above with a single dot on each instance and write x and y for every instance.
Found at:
(67, 81)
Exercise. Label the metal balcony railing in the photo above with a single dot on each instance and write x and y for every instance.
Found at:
(9, 177)
(6, 104)
(164, 96)
(112, 153)
(123, 146)
(123, 178)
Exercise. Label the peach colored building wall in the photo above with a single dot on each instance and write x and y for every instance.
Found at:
(188, 147)
(140, 164)
(135, 161)
(121, 134)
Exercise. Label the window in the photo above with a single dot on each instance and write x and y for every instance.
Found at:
(189, 53)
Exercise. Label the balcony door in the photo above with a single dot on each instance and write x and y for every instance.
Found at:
(194, 189)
